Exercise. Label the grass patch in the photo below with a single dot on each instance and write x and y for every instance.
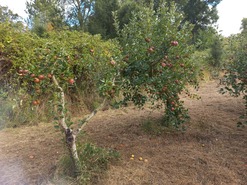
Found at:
(94, 161)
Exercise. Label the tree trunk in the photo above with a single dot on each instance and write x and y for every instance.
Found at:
(71, 144)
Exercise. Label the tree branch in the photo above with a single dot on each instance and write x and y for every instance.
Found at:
(84, 122)
(62, 121)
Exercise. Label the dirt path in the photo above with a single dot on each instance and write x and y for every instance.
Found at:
(212, 150)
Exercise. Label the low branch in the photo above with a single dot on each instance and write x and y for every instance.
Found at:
(84, 122)
(62, 121)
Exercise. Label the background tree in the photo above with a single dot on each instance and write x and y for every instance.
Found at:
(199, 13)
(78, 13)
(7, 15)
(244, 25)
(101, 21)
(126, 10)
(216, 52)
(45, 15)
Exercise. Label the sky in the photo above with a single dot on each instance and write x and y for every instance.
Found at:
(231, 12)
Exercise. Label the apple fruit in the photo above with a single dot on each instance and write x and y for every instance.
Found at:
(147, 39)
(151, 49)
(41, 77)
(71, 81)
(49, 75)
(174, 43)
(36, 80)
(163, 64)
(35, 102)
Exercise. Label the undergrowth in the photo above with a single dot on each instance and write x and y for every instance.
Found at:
(94, 161)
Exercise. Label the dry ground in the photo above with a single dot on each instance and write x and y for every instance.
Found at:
(212, 150)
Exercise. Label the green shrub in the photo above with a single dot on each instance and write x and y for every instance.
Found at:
(235, 77)
(94, 160)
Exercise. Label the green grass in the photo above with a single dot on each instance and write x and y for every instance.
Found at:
(94, 161)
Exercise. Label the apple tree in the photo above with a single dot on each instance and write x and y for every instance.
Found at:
(61, 64)
(235, 78)
(156, 49)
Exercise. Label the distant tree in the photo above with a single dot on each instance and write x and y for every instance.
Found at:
(205, 38)
(101, 21)
(7, 15)
(126, 11)
(244, 25)
(201, 13)
(45, 15)
(216, 52)
(78, 13)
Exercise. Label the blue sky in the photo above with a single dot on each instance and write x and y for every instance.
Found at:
(231, 12)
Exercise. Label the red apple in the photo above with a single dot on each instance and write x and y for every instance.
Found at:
(32, 75)
(163, 64)
(151, 49)
(41, 77)
(35, 102)
(71, 81)
(36, 80)
(174, 43)
(49, 75)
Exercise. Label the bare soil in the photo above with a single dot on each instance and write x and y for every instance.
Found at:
(212, 150)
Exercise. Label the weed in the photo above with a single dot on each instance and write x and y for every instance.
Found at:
(94, 161)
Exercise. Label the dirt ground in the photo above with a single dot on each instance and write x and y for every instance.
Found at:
(212, 150)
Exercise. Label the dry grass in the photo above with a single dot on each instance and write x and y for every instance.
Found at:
(212, 150)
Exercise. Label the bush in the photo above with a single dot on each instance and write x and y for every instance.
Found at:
(95, 161)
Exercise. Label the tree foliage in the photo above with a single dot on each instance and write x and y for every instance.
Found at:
(45, 15)
(7, 15)
(235, 77)
(101, 21)
(157, 68)
(78, 13)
